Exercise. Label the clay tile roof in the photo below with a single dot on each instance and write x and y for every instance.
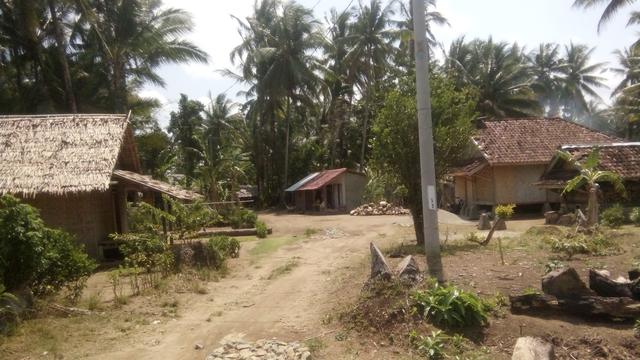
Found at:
(62, 154)
(470, 168)
(621, 158)
(532, 140)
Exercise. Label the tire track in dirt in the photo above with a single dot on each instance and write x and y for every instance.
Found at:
(289, 307)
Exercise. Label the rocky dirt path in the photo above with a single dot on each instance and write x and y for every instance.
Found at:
(248, 305)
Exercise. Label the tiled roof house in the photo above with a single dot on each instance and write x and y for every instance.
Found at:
(509, 157)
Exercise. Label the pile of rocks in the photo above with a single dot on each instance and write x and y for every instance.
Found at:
(382, 208)
(261, 349)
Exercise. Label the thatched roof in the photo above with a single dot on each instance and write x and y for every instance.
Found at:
(63, 154)
(157, 185)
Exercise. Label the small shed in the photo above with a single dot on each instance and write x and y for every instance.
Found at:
(328, 190)
(79, 170)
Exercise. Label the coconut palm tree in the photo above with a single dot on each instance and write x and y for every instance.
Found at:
(339, 78)
(629, 69)
(580, 79)
(291, 63)
(627, 94)
(405, 25)
(131, 39)
(55, 9)
(184, 127)
(611, 8)
(277, 58)
(588, 178)
(371, 45)
(500, 73)
(546, 66)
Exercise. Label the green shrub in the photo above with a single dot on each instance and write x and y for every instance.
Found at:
(261, 229)
(451, 307)
(10, 308)
(184, 219)
(430, 346)
(35, 256)
(634, 216)
(505, 211)
(145, 251)
(241, 218)
(576, 243)
(219, 248)
(147, 258)
(613, 217)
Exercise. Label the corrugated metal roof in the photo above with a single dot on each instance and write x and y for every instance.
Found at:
(300, 183)
(323, 179)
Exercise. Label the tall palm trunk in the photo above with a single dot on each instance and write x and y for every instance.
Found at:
(593, 206)
(61, 45)
(365, 126)
(286, 151)
(341, 115)
(119, 85)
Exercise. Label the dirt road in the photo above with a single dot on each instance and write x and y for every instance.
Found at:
(289, 307)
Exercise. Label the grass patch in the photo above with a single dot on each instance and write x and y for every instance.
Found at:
(309, 232)
(404, 249)
(93, 302)
(270, 245)
(247, 238)
(64, 337)
(284, 269)
(315, 345)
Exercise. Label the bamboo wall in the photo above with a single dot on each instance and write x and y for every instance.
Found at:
(90, 217)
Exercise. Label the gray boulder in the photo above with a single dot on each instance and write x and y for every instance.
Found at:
(500, 224)
(484, 223)
(409, 270)
(565, 284)
(530, 348)
(551, 217)
(379, 267)
(567, 220)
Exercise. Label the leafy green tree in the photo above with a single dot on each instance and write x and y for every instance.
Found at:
(35, 256)
(395, 130)
(184, 126)
(588, 178)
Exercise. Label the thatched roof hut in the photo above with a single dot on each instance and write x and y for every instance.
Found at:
(79, 170)
(63, 154)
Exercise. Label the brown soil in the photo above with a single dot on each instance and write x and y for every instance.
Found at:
(305, 302)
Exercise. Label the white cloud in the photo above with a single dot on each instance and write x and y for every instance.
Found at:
(152, 93)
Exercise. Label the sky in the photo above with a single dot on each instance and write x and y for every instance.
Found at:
(527, 22)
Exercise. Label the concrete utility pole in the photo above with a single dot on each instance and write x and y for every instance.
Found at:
(425, 132)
